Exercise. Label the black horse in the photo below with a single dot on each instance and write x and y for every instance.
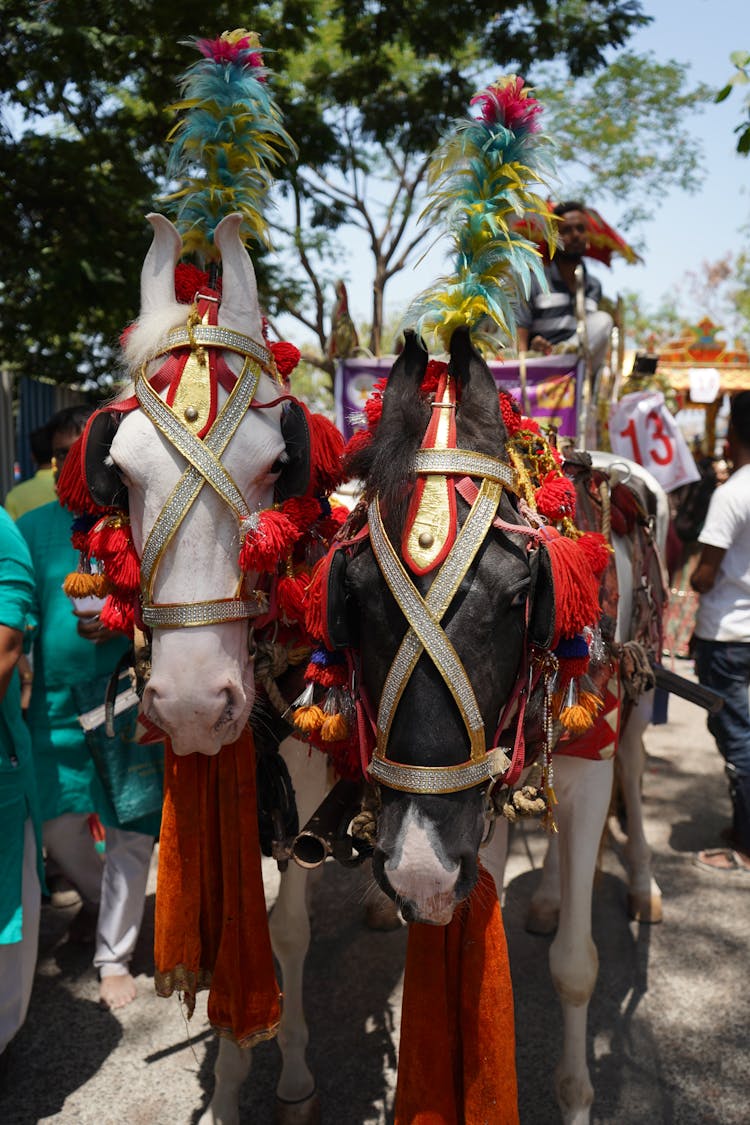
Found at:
(436, 765)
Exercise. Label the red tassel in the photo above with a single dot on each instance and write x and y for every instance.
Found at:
(286, 357)
(327, 447)
(118, 615)
(356, 443)
(265, 544)
(79, 541)
(576, 587)
(303, 511)
(327, 675)
(596, 549)
(314, 614)
(111, 541)
(556, 497)
(291, 595)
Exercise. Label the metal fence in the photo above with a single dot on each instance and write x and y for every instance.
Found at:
(25, 405)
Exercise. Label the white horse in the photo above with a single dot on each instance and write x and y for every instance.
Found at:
(561, 904)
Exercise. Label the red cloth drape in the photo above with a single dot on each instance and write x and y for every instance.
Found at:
(211, 922)
(457, 1063)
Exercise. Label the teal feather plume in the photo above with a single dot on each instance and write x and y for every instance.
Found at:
(228, 142)
(482, 176)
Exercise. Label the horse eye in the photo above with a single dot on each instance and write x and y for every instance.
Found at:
(279, 464)
(519, 599)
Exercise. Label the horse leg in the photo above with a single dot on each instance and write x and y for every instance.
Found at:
(494, 854)
(644, 895)
(544, 908)
(289, 925)
(583, 789)
(297, 1100)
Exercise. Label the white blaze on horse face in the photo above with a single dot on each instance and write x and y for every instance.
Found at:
(417, 872)
(201, 688)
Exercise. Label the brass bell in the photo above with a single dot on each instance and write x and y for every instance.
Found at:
(426, 539)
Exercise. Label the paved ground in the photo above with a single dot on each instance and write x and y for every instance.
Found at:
(669, 1026)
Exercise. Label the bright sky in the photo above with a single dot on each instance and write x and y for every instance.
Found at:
(688, 228)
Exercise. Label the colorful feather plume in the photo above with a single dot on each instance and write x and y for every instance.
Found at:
(481, 179)
(228, 141)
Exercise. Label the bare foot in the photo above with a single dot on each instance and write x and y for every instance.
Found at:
(117, 991)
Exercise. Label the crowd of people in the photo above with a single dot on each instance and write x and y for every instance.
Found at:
(56, 659)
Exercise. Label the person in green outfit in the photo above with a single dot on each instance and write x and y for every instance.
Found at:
(39, 489)
(20, 840)
(74, 656)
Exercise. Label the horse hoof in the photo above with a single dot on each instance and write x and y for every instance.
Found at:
(382, 914)
(542, 920)
(645, 908)
(306, 1112)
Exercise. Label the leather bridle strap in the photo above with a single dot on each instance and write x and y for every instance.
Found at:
(425, 634)
(204, 467)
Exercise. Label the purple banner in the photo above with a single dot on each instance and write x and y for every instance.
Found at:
(551, 389)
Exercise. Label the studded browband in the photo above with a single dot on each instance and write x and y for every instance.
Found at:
(425, 633)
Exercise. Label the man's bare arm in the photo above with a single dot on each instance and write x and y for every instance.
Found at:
(11, 648)
(704, 575)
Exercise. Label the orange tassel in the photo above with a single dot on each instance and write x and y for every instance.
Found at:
(576, 719)
(334, 728)
(81, 585)
(309, 719)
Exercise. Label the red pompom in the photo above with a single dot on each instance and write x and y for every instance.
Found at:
(356, 443)
(118, 615)
(595, 547)
(373, 410)
(189, 280)
(556, 497)
(434, 371)
(273, 536)
(286, 357)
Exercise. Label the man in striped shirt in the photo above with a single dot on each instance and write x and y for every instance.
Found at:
(547, 322)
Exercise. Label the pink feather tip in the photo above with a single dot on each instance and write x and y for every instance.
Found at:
(508, 102)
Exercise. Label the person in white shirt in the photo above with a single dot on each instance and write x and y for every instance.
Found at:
(722, 633)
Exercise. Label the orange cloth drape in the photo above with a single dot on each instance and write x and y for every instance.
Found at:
(457, 1060)
(211, 922)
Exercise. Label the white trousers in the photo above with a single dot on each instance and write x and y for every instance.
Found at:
(18, 961)
(117, 885)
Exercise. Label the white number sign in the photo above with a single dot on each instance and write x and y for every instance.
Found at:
(641, 428)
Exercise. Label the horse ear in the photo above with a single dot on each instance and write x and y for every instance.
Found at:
(239, 307)
(479, 421)
(407, 373)
(102, 478)
(157, 274)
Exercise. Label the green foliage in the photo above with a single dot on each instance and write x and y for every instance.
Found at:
(84, 85)
(741, 77)
(625, 133)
